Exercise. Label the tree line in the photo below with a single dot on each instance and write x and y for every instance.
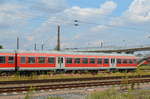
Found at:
(1, 47)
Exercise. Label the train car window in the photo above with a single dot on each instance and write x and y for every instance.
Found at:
(134, 61)
(41, 60)
(51, 60)
(106, 61)
(10, 59)
(125, 61)
(2, 59)
(31, 60)
(69, 60)
(92, 61)
(130, 61)
(62, 59)
(84, 60)
(112, 60)
(99, 61)
(22, 60)
(77, 60)
(118, 61)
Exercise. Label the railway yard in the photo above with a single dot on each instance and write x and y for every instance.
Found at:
(28, 73)
(74, 49)
(73, 87)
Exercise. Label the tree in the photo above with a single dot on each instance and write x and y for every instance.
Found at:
(1, 47)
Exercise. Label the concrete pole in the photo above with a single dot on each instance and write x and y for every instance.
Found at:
(35, 46)
(17, 43)
(58, 38)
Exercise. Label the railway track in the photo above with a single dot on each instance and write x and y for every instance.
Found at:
(68, 80)
(75, 83)
(72, 85)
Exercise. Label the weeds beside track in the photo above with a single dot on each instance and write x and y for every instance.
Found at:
(102, 82)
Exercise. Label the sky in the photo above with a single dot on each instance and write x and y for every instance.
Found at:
(111, 22)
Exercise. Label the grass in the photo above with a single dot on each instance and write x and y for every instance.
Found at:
(29, 94)
(115, 94)
(145, 67)
(54, 98)
(61, 76)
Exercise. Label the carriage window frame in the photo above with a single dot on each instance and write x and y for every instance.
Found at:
(125, 61)
(22, 59)
(85, 60)
(106, 61)
(119, 61)
(11, 59)
(31, 58)
(69, 60)
(41, 60)
(130, 61)
(92, 60)
(134, 61)
(4, 60)
(77, 60)
(51, 60)
(99, 61)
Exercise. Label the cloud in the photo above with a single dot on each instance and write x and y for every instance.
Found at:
(98, 28)
(139, 11)
(37, 20)
(134, 22)
(86, 13)
(12, 15)
(48, 6)
(17, 18)
(65, 18)
(13, 18)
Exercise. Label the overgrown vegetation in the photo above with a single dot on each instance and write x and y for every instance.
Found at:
(50, 75)
(54, 98)
(138, 72)
(145, 67)
(126, 91)
(115, 94)
(29, 94)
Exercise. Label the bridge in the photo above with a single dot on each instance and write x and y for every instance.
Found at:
(111, 50)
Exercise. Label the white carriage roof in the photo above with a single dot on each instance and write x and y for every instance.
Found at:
(64, 52)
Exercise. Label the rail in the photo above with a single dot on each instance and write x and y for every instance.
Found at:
(72, 85)
(68, 80)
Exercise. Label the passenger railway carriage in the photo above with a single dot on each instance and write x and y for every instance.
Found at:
(53, 60)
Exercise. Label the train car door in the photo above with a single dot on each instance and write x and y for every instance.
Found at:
(112, 62)
(60, 62)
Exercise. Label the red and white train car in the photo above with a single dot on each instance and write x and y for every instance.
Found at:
(7, 60)
(53, 60)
